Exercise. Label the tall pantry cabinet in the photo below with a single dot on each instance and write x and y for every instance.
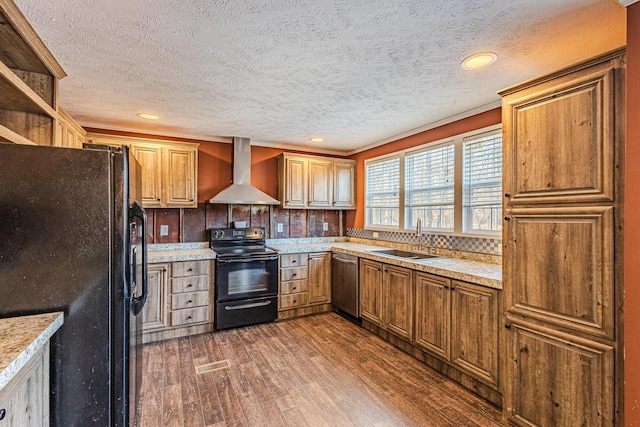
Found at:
(563, 139)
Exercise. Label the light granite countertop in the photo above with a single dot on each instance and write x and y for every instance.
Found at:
(468, 270)
(480, 273)
(21, 337)
(170, 252)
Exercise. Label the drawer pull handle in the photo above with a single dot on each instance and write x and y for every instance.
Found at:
(189, 317)
(244, 306)
(294, 274)
(189, 269)
(190, 301)
(3, 413)
(293, 261)
(189, 285)
(294, 288)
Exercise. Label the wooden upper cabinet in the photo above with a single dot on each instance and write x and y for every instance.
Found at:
(293, 182)
(559, 135)
(344, 188)
(169, 170)
(150, 159)
(180, 176)
(69, 133)
(320, 183)
(29, 77)
(315, 182)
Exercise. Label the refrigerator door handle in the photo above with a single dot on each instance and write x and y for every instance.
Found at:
(137, 211)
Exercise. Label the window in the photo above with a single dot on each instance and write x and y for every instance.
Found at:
(482, 185)
(452, 186)
(429, 192)
(382, 193)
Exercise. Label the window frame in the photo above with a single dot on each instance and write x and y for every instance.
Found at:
(457, 141)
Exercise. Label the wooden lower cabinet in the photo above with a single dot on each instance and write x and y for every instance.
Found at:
(458, 322)
(557, 379)
(386, 297)
(25, 400)
(179, 300)
(305, 284)
(154, 311)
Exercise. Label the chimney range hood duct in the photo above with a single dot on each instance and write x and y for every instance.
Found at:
(241, 191)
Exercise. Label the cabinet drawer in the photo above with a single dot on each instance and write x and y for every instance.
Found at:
(189, 315)
(189, 268)
(293, 260)
(190, 284)
(293, 287)
(293, 273)
(293, 300)
(189, 299)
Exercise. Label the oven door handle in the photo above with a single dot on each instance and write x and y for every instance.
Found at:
(248, 259)
(245, 306)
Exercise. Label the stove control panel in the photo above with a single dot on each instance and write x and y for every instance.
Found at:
(253, 233)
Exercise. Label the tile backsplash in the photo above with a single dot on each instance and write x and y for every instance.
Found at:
(192, 225)
(485, 245)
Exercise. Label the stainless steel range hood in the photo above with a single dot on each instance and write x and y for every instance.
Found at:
(241, 191)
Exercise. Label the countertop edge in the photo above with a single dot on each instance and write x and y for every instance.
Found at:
(24, 356)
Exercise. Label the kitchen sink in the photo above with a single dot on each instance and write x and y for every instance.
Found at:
(403, 254)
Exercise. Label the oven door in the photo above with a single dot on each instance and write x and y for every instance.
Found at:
(246, 277)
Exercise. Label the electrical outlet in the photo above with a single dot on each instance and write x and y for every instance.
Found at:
(375, 234)
(279, 227)
(164, 230)
(325, 226)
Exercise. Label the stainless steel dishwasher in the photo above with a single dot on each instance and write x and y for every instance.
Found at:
(345, 290)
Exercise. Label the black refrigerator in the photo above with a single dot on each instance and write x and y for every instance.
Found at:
(73, 239)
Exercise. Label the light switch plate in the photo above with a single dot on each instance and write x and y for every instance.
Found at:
(325, 226)
(164, 230)
(279, 226)
(375, 234)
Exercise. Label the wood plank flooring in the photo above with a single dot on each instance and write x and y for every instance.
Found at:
(319, 370)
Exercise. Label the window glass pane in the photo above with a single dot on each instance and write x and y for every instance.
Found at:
(482, 183)
(382, 193)
(429, 191)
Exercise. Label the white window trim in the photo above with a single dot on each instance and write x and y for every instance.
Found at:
(457, 140)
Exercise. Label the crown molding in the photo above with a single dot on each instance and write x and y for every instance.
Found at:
(627, 3)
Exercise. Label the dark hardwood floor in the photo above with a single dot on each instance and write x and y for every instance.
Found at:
(318, 370)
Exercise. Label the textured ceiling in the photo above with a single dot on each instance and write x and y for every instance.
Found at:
(357, 72)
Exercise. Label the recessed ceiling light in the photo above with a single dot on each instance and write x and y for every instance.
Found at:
(479, 60)
(148, 116)
(316, 139)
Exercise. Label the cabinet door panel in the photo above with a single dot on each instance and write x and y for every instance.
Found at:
(154, 312)
(433, 300)
(320, 278)
(371, 291)
(474, 331)
(551, 128)
(398, 301)
(181, 188)
(320, 183)
(344, 188)
(295, 183)
(562, 267)
(150, 159)
(557, 380)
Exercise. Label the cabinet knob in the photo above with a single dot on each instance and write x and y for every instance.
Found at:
(293, 261)
(446, 286)
(452, 288)
(189, 317)
(507, 194)
(190, 269)
(189, 285)
(294, 288)
(190, 301)
(507, 218)
(507, 326)
(294, 274)
(158, 198)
